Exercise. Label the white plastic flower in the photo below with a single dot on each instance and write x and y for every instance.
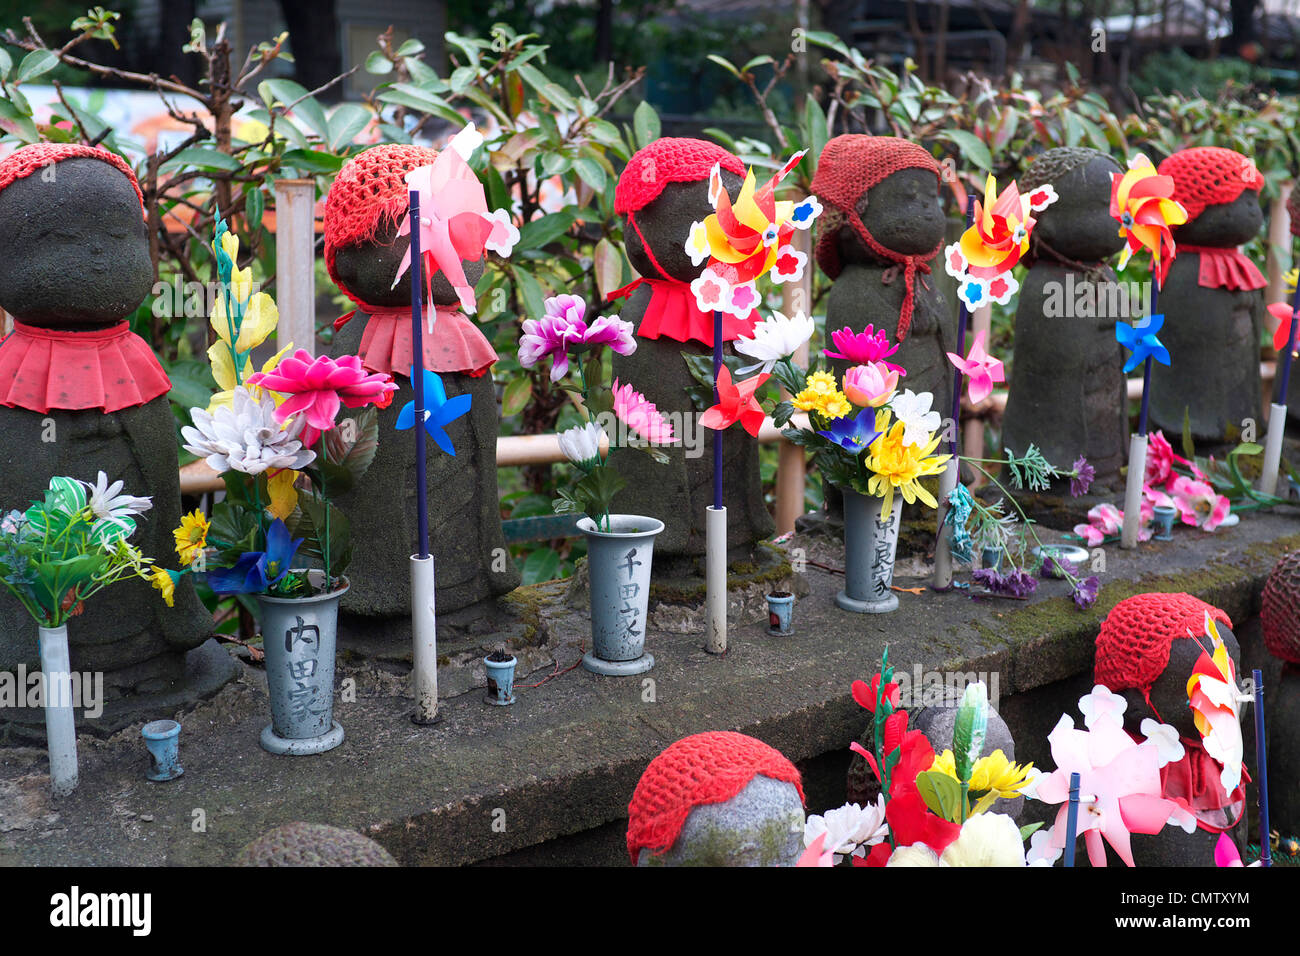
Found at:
(245, 437)
(697, 244)
(504, 235)
(913, 410)
(1041, 852)
(109, 504)
(773, 339)
(850, 829)
(581, 444)
(918, 854)
(1165, 740)
(986, 839)
(1101, 704)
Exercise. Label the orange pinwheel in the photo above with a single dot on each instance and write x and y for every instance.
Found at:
(1142, 201)
(736, 403)
(983, 258)
(1214, 698)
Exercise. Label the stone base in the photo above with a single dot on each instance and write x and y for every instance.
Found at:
(208, 668)
(301, 746)
(606, 668)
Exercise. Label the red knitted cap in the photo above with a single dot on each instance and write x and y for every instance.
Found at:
(1133, 646)
(370, 192)
(1280, 613)
(1209, 175)
(668, 160)
(849, 166)
(21, 163)
(695, 771)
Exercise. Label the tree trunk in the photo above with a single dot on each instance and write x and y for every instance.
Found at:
(313, 27)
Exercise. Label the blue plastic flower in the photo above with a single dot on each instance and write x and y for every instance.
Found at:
(439, 411)
(1141, 340)
(853, 434)
(255, 571)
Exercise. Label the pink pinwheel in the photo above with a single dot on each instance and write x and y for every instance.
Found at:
(1119, 782)
(736, 403)
(863, 347)
(318, 386)
(1226, 854)
(454, 223)
(982, 369)
(640, 415)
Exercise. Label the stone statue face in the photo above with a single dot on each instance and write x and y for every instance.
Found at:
(1226, 225)
(666, 225)
(366, 270)
(1169, 692)
(902, 212)
(77, 247)
(1079, 225)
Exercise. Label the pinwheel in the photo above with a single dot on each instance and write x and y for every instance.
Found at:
(1141, 341)
(736, 403)
(982, 368)
(439, 411)
(1141, 201)
(1215, 700)
(455, 224)
(997, 236)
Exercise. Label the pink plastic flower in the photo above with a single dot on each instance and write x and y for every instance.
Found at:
(318, 386)
(982, 369)
(869, 385)
(1105, 520)
(862, 348)
(1160, 459)
(641, 416)
(1199, 504)
(564, 330)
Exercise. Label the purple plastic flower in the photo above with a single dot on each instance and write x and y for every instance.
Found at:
(1084, 592)
(862, 348)
(1055, 567)
(1015, 583)
(1084, 473)
(564, 330)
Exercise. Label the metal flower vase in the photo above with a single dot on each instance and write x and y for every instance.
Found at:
(870, 543)
(299, 636)
(618, 563)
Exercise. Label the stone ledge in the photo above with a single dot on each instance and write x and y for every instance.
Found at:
(565, 759)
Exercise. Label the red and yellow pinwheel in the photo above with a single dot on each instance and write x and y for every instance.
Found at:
(1214, 699)
(998, 236)
(1141, 200)
(744, 240)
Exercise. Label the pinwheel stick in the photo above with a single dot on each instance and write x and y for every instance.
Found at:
(717, 399)
(1072, 820)
(1261, 759)
(715, 528)
(1137, 447)
(1146, 369)
(417, 379)
(1278, 410)
(963, 319)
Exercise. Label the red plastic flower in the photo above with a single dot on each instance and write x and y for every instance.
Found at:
(317, 387)
(736, 403)
(865, 693)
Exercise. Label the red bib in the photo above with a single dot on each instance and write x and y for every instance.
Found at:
(456, 344)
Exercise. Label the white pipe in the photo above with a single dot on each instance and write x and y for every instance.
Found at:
(295, 263)
(942, 579)
(1273, 449)
(60, 724)
(424, 633)
(1137, 469)
(715, 579)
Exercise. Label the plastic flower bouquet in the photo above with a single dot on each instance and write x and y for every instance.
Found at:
(572, 343)
(69, 546)
(275, 438)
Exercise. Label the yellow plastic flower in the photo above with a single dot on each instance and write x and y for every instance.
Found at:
(260, 318)
(993, 775)
(284, 497)
(822, 396)
(162, 579)
(223, 370)
(191, 536)
(894, 464)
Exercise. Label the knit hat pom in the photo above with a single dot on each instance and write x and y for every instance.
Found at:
(668, 160)
(695, 771)
(21, 163)
(1133, 646)
(1280, 614)
(1208, 176)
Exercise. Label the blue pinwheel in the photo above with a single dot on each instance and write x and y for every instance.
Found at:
(1141, 340)
(439, 411)
(853, 434)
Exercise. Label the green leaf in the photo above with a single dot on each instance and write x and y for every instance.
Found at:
(543, 231)
(591, 173)
(645, 122)
(541, 565)
(814, 119)
(1029, 829)
(35, 64)
(312, 161)
(378, 63)
(411, 47)
(254, 209)
(421, 100)
(347, 120)
(204, 157)
(597, 490)
(969, 729)
(971, 146)
(308, 522)
(1248, 448)
(725, 64)
(23, 126)
(530, 292)
(6, 63)
(355, 457)
(1189, 448)
(516, 396)
(192, 383)
(308, 110)
(461, 78)
(941, 793)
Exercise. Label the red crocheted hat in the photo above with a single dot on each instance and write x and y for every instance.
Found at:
(668, 160)
(695, 771)
(368, 193)
(1133, 646)
(1209, 175)
(849, 166)
(21, 163)
(1280, 613)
